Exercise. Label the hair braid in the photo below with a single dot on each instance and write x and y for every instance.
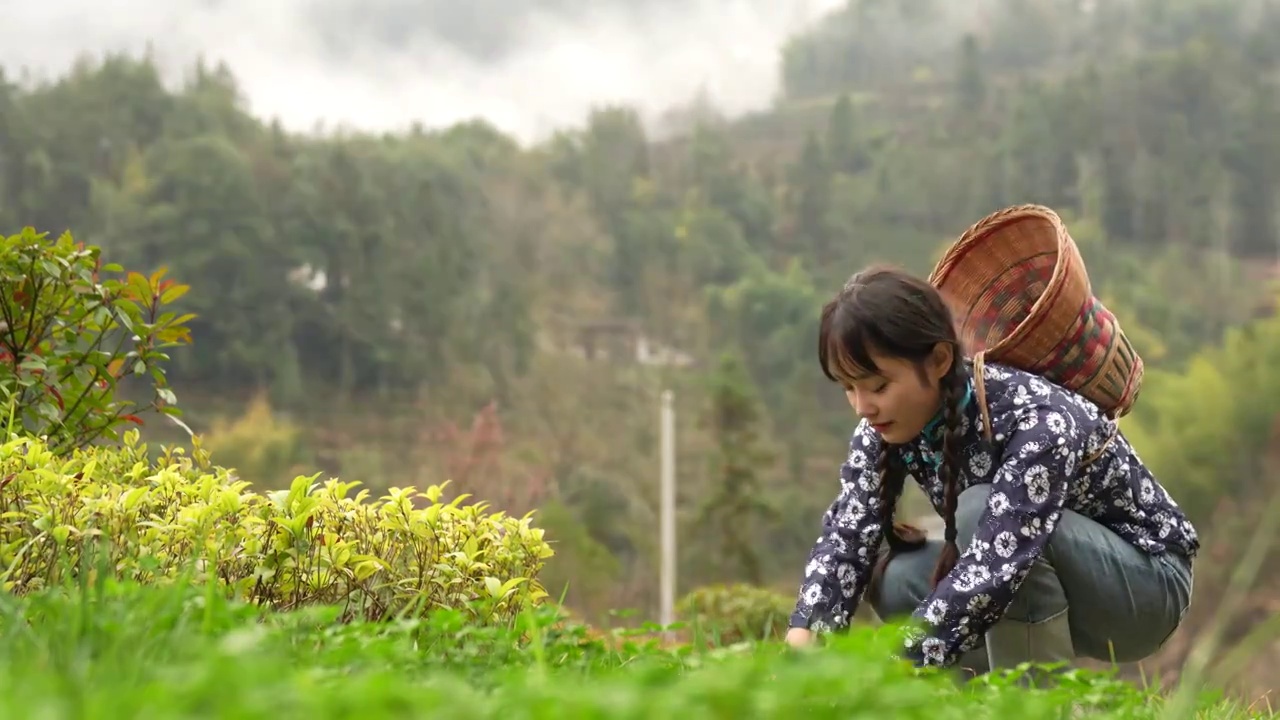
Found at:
(899, 537)
(953, 385)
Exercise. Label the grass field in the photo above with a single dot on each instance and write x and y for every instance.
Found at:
(113, 651)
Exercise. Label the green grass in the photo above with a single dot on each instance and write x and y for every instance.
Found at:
(113, 651)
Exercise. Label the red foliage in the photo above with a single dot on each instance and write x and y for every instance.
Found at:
(477, 461)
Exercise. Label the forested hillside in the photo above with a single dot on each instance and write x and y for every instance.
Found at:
(448, 304)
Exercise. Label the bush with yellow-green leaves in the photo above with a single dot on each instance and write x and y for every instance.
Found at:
(182, 519)
(736, 612)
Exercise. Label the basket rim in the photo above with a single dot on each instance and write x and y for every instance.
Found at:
(981, 231)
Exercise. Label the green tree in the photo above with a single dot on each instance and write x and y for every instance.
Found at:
(737, 510)
(842, 137)
(971, 84)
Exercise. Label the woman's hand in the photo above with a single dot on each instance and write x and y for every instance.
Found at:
(799, 637)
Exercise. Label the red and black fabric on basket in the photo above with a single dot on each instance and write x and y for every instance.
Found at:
(1021, 296)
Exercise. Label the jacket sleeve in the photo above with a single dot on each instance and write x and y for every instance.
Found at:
(842, 558)
(1028, 493)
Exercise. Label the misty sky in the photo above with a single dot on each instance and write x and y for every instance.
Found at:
(526, 65)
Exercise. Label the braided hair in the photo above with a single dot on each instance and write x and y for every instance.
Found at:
(897, 314)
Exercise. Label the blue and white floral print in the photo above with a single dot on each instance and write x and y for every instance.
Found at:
(1041, 434)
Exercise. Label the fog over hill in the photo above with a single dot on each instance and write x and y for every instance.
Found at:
(528, 66)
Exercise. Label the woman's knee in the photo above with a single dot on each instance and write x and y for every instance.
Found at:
(970, 506)
(906, 582)
(1040, 595)
(908, 578)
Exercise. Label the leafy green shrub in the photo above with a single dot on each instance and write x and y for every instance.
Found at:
(68, 336)
(312, 544)
(733, 613)
(258, 444)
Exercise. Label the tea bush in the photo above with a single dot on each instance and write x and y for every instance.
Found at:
(71, 330)
(733, 613)
(312, 544)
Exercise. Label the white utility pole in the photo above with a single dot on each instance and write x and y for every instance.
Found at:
(667, 510)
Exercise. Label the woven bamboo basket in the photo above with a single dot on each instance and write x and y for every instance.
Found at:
(1021, 296)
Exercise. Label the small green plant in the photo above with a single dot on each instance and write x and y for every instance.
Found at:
(735, 613)
(69, 335)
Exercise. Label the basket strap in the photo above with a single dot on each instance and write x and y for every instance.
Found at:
(980, 390)
(1102, 449)
(1113, 414)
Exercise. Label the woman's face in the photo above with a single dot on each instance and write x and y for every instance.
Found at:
(901, 398)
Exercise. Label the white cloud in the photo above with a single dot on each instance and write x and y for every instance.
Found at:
(554, 67)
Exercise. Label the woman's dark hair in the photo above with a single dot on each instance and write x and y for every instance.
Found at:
(896, 314)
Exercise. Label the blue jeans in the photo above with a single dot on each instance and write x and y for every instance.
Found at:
(1106, 599)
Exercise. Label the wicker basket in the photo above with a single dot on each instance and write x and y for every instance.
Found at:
(1022, 297)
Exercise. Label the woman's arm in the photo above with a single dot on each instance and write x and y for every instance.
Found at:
(841, 560)
(1028, 493)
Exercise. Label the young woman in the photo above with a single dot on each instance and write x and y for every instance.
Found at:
(1059, 543)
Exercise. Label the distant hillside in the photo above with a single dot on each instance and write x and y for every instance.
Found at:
(902, 61)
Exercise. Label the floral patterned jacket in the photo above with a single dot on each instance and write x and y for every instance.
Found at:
(1041, 433)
